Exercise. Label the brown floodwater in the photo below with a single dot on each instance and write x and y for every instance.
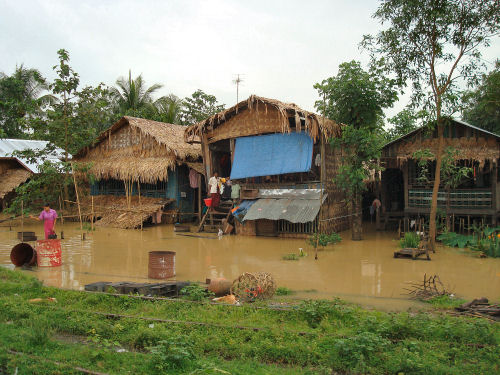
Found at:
(363, 272)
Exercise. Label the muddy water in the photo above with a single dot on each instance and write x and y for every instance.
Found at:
(364, 272)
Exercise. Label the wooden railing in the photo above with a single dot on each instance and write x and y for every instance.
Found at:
(463, 198)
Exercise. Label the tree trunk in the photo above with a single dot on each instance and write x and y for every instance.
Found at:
(357, 230)
(435, 189)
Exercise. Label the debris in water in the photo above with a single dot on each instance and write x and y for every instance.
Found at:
(429, 288)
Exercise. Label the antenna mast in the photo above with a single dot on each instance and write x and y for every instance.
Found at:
(237, 82)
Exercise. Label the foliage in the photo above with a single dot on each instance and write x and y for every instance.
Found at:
(356, 97)
(445, 301)
(174, 353)
(435, 46)
(453, 239)
(196, 292)
(482, 104)
(199, 107)
(410, 240)
(342, 341)
(45, 186)
(283, 291)
(314, 311)
(20, 99)
(323, 239)
(361, 148)
(485, 240)
(291, 256)
(132, 94)
(403, 123)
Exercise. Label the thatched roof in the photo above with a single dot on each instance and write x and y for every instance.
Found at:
(314, 124)
(480, 146)
(155, 148)
(11, 179)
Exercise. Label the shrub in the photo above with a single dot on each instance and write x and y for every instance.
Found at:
(283, 291)
(174, 353)
(195, 292)
(314, 311)
(323, 239)
(410, 239)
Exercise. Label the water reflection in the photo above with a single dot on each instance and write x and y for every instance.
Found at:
(364, 272)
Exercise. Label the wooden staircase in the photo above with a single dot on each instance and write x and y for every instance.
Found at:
(213, 218)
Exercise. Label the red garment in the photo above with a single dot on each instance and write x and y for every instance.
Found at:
(215, 199)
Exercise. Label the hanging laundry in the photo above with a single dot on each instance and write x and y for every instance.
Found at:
(193, 179)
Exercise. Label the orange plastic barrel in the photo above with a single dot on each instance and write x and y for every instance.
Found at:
(48, 253)
(161, 264)
(22, 254)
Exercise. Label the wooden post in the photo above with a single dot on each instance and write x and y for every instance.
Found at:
(22, 221)
(92, 215)
(494, 198)
(199, 198)
(140, 205)
(77, 201)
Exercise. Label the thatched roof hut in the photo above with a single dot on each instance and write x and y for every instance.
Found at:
(475, 144)
(275, 117)
(136, 149)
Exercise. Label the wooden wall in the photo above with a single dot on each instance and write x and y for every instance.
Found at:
(334, 205)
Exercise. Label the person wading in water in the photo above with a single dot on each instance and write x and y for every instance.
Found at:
(48, 216)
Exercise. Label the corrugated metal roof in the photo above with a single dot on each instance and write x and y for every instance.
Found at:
(290, 193)
(8, 146)
(295, 210)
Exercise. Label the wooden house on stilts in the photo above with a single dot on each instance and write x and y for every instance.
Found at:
(280, 157)
(406, 194)
(143, 170)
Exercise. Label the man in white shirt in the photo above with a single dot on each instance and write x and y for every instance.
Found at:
(213, 184)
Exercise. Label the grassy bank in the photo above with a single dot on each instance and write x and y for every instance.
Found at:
(120, 334)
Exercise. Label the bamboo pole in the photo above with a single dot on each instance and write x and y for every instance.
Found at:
(92, 216)
(22, 221)
(62, 217)
(77, 200)
(140, 206)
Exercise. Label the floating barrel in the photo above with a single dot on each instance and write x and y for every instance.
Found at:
(22, 254)
(161, 264)
(48, 253)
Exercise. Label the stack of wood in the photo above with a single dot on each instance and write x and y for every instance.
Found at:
(431, 287)
(480, 308)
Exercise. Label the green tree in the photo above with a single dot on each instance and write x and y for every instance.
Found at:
(357, 97)
(482, 105)
(132, 95)
(198, 107)
(403, 123)
(168, 109)
(434, 44)
(20, 98)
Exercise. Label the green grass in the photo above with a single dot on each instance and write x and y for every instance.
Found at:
(310, 337)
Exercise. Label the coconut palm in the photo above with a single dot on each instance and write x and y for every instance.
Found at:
(132, 94)
(168, 109)
(20, 96)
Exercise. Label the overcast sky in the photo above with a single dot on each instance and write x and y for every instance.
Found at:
(281, 47)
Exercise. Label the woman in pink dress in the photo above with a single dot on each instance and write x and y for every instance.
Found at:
(48, 216)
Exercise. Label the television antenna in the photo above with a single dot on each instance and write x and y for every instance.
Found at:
(237, 82)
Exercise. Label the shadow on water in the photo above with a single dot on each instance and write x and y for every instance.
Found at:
(363, 272)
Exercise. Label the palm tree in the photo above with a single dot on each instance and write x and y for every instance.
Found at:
(20, 97)
(132, 94)
(168, 109)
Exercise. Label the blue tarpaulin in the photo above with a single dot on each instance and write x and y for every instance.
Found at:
(272, 154)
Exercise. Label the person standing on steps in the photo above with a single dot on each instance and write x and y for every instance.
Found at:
(213, 184)
(49, 217)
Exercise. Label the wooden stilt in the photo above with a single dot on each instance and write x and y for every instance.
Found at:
(140, 206)
(77, 201)
(22, 221)
(92, 215)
